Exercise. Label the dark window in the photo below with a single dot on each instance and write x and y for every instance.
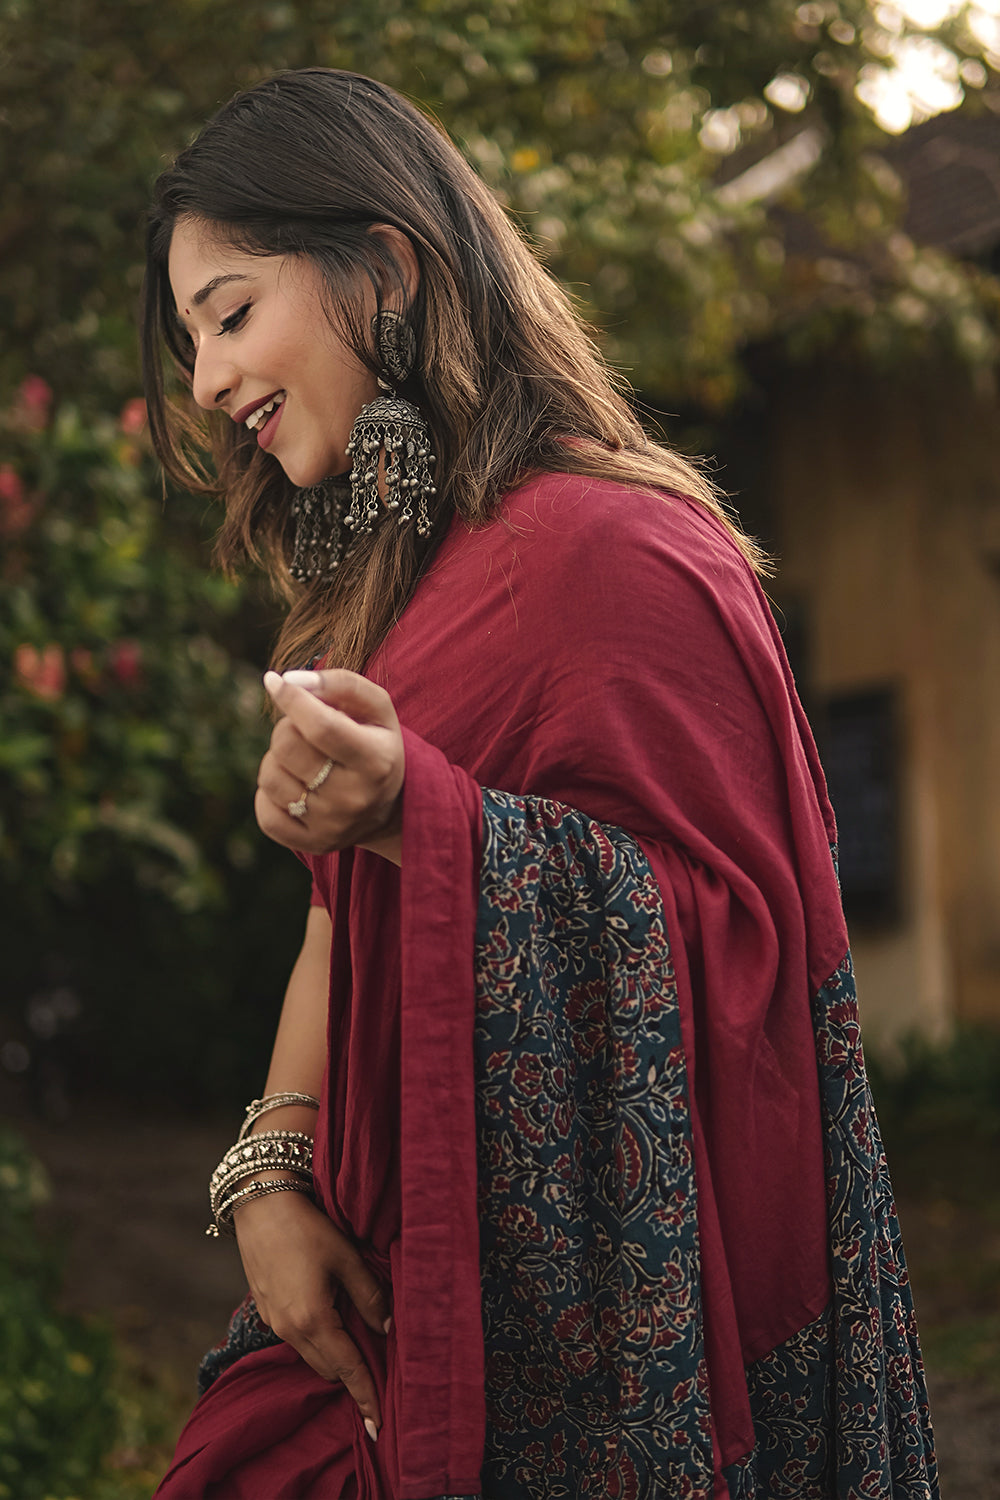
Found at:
(859, 745)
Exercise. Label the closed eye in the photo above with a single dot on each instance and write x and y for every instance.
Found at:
(234, 321)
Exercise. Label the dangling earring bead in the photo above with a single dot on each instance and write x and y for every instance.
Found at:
(392, 426)
(318, 511)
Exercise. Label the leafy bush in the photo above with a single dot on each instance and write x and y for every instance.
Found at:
(133, 878)
(938, 1105)
(57, 1417)
(935, 1088)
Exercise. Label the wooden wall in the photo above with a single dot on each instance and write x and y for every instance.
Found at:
(885, 499)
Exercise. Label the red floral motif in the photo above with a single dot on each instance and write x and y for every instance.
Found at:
(521, 1222)
(570, 1324)
(510, 895)
(529, 1075)
(628, 1159)
(527, 1128)
(675, 1212)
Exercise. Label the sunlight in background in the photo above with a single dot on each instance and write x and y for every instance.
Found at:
(920, 76)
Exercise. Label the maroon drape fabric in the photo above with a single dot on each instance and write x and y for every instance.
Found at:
(609, 648)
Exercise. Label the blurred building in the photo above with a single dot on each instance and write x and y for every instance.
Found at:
(883, 502)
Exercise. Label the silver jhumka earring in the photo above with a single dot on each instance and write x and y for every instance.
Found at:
(319, 514)
(393, 426)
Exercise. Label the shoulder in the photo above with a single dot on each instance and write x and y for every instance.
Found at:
(568, 530)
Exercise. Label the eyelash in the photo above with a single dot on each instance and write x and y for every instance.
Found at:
(233, 322)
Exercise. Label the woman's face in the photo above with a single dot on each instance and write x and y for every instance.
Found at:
(263, 339)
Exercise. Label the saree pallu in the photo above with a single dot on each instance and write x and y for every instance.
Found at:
(688, 1281)
(596, 1377)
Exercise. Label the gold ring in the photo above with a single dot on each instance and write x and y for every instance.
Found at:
(320, 777)
(297, 809)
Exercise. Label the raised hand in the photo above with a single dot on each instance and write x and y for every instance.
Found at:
(333, 776)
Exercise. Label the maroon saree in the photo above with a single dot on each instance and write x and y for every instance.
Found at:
(610, 649)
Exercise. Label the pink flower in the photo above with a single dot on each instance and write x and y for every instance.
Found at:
(133, 416)
(44, 672)
(125, 659)
(15, 508)
(31, 408)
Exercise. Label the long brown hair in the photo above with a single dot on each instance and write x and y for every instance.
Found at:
(508, 378)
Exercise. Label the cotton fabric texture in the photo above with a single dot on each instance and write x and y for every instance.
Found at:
(602, 662)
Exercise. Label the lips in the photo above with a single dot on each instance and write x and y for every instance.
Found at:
(265, 434)
(256, 406)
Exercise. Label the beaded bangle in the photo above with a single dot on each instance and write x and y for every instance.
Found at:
(255, 1189)
(258, 1107)
(224, 1214)
(288, 1150)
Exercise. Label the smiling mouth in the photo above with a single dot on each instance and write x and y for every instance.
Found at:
(256, 418)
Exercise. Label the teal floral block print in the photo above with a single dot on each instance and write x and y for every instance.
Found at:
(596, 1380)
(841, 1410)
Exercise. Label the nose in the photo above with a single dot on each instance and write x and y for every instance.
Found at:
(214, 376)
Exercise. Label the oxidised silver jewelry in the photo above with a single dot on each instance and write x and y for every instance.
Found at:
(393, 427)
(258, 1107)
(318, 511)
(390, 435)
(396, 347)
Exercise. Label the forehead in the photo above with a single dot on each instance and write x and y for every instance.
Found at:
(198, 255)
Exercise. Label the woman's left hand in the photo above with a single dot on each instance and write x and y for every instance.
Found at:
(349, 722)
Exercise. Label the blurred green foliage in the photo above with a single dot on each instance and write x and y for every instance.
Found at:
(122, 709)
(80, 1419)
(939, 1110)
(606, 127)
(132, 875)
(932, 1089)
(57, 1419)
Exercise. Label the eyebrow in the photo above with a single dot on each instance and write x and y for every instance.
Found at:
(203, 294)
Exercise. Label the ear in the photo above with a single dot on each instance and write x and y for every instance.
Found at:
(405, 257)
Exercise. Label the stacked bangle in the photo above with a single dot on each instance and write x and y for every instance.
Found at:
(257, 1189)
(258, 1107)
(286, 1151)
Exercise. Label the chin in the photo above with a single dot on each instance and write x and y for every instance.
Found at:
(305, 474)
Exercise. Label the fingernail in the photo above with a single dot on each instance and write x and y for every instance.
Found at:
(272, 682)
(371, 1429)
(310, 680)
(386, 1326)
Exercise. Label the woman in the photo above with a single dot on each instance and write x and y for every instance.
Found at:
(585, 1218)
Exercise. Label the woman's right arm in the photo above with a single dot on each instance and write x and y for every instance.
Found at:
(293, 1256)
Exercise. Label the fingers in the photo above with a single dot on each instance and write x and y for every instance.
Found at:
(336, 722)
(279, 779)
(358, 696)
(364, 1289)
(334, 1355)
(292, 763)
(339, 731)
(322, 1341)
